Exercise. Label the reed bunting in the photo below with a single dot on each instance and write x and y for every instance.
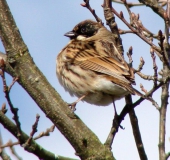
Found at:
(91, 68)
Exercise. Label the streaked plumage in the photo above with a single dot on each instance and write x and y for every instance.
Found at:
(90, 64)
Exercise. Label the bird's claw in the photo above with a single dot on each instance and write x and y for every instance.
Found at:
(116, 122)
(72, 106)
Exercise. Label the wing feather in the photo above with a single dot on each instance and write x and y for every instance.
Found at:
(105, 61)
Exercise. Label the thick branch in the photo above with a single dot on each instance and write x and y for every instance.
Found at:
(33, 81)
(7, 25)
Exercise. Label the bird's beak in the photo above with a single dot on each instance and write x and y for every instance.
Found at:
(70, 34)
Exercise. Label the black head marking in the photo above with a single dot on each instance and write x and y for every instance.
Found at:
(86, 28)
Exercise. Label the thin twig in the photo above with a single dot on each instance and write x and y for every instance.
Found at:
(147, 77)
(154, 103)
(42, 134)
(127, 7)
(13, 82)
(137, 24)
(3, 154)
(14, 152)
(136, 130)
(130, 4)
(154, 5)
(6, 91)
(110, 21)
(3, 108)
(9, 144)
(155, 68)
(121, 31)
(87, 5)
(125, 31)
(137, 33)
(34, 130)
(46, 133)
(34, 148)
(167, 155)
(163, 53)
(167, 21)
(124, 112)
(133, 117)
(141, 64)
(143, 89)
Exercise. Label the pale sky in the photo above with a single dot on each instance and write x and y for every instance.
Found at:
(42, 25)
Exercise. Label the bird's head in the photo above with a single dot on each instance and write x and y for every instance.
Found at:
(84, 29)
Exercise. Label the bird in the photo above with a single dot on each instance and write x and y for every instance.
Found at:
(91, 68)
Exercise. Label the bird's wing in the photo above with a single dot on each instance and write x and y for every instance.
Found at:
(104, 60)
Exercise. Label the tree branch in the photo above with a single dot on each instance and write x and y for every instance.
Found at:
(130, 4)
(124, 112)
(110, 21)
(42, 134)
(165, 48)
(6, 90)
(135, 4)
(137, 33)
(34, 130)
(162, 120)
(167, 155)
(3, 154)
(84, 141)
(87, 5)
(154, 5)
(14, 153)
(34, 147)
(136, 130)
(132, 114)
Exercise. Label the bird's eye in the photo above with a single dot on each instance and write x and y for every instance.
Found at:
(83, 30)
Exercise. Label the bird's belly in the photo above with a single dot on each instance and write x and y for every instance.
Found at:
(100, 91)
(105, 92)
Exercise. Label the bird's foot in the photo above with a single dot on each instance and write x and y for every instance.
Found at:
(116, 122)
(72, 106)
